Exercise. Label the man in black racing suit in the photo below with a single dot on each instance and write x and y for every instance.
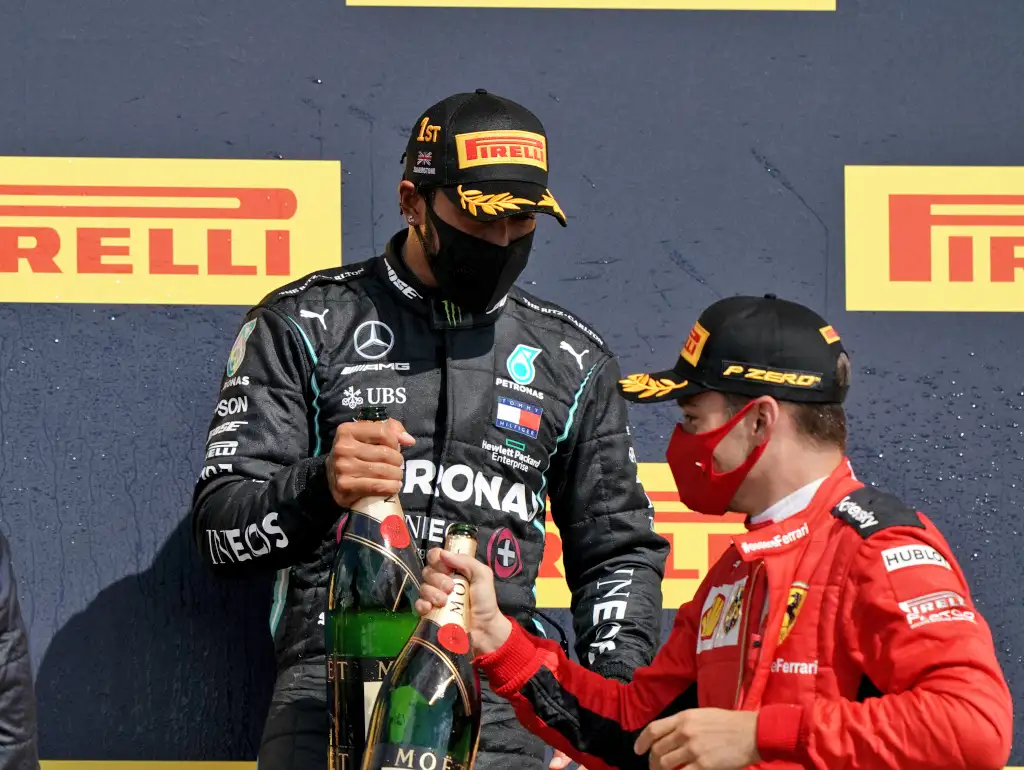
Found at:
(19, 730)
(501, 403)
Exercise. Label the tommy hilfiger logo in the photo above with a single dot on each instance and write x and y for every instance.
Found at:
(519, 417)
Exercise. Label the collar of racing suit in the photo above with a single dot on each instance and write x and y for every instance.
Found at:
(793, 528)
(791, 504)
(425, 300)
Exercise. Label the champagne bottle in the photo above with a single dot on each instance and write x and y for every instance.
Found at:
(427, 714)
(370, 614)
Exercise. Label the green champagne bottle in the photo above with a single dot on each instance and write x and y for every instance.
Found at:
(427, 714)
(370, 615)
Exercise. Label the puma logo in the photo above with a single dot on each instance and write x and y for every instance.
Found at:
(578, 356)
(317, 316)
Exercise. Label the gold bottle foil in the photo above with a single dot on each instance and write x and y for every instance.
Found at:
(379, 508)
(456, 609)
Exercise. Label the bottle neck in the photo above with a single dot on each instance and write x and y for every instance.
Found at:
(463, 545)
(456, 609)
(379, 508)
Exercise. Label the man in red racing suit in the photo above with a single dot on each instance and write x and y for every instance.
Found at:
(838, 632)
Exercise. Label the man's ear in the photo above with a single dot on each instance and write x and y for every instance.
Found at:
(766, 415)
(411, 203)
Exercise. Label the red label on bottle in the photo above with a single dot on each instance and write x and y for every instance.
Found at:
(341, 526)
(394, 531)
(454, 638)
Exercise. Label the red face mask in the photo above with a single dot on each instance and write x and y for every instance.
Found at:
(690, 458)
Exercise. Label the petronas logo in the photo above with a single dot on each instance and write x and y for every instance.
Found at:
(520, 364)
(452, 313)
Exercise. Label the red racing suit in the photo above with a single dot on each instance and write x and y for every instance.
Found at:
(849, 627)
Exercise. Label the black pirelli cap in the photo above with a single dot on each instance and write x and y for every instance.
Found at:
(488, 154)
(751, 346)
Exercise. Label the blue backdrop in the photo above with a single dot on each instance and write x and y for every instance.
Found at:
(697, 155)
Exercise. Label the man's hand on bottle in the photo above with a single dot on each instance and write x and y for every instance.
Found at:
(488, 628)
(366, 459)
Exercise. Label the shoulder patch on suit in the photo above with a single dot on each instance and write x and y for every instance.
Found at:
(869, 510)
(337, 275)
(554, 311)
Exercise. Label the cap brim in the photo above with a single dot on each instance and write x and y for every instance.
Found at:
(655, 387)
(495, 199)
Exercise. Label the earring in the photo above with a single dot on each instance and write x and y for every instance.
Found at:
(412, 219)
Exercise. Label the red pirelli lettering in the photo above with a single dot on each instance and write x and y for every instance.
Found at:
(552, 553)
(279, 250)
(38, 246)
(911, 220)
(672, 572)
(219, 245)
(1007, 258)
(161, 255)
(94, 244)
(692, 342)
(504, 147)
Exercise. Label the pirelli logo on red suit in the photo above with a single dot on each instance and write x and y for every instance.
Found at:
(935, 239)
(163, 231)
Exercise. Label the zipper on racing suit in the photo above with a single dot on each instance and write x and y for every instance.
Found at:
(746, 639)
(444, 419)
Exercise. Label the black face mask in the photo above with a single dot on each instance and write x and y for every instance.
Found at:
(473, 273)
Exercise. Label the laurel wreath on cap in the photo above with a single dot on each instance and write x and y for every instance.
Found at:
(549, 200)
(647, 386)
(492, 204)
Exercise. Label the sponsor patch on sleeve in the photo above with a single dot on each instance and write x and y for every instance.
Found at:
(720, 616)
(237, 354)
(912, 555)
(869, 510)
(937, 607)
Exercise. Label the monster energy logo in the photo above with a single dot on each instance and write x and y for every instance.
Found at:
(452, 313)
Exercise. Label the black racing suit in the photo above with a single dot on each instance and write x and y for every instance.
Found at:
(508, 409)
(18, 728)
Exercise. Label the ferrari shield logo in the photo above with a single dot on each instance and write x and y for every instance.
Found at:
(797, 596)
(238, 349)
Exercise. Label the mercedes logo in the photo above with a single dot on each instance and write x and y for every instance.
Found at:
(373, 339)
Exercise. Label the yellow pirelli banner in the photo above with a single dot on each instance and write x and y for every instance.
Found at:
(164, 231)
(697, 541)
(935, 238)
